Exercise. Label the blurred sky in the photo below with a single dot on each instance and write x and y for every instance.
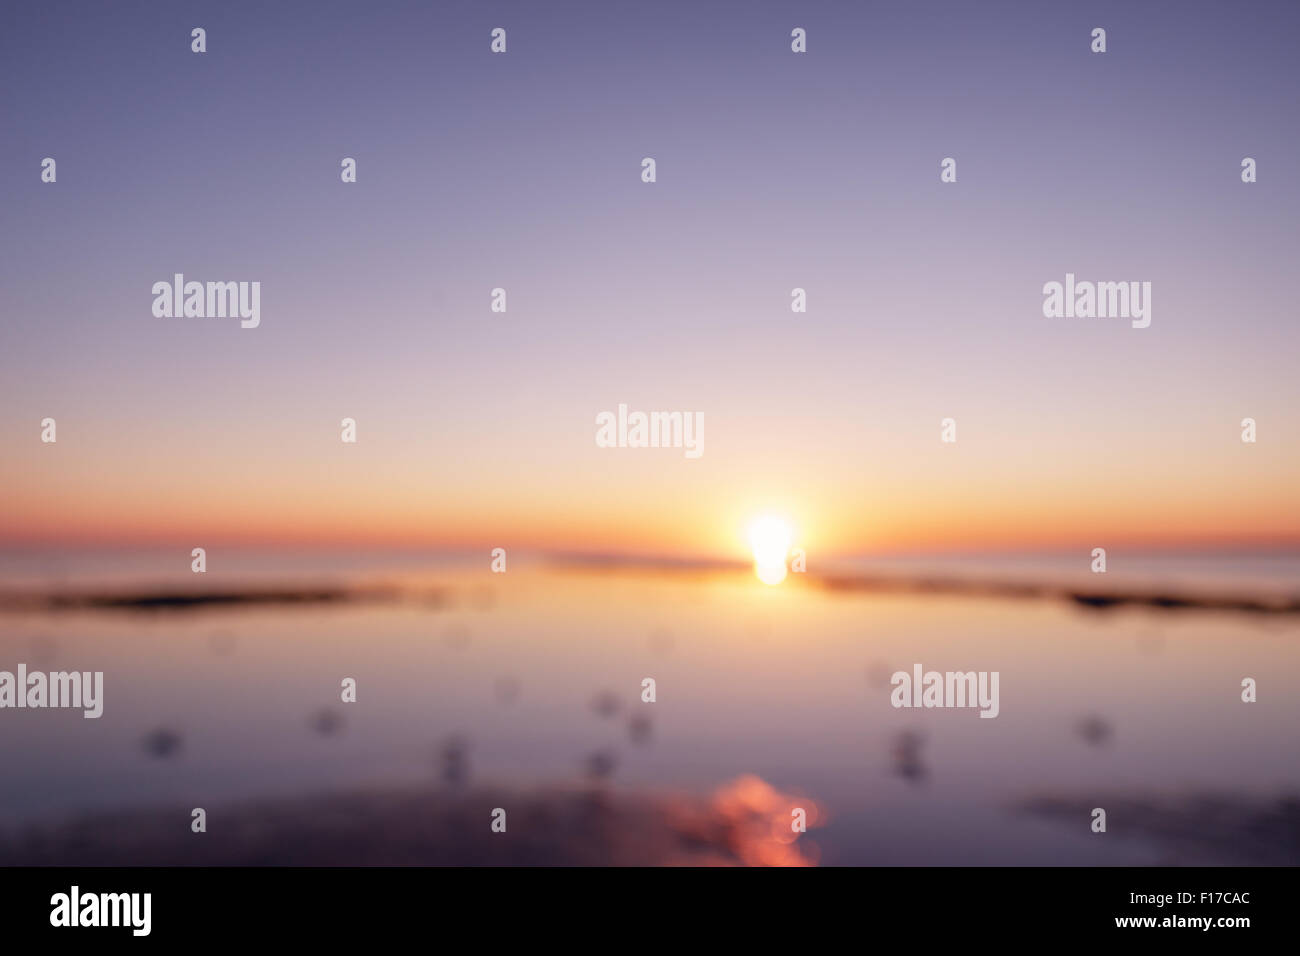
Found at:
(775, 170)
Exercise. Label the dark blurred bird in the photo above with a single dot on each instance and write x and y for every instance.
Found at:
(327, 722)
(601, 764)
(162, 743)
(906, 753)
(1093, 729)
(605, 704)
(454, 761)
(639, 727)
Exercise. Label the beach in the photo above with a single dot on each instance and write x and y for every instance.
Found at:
(524, 691)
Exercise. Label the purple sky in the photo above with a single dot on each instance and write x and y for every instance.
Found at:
(775, 170)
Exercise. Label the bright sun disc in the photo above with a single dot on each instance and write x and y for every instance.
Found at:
(770, 539)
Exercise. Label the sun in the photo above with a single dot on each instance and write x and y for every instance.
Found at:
(770, 538)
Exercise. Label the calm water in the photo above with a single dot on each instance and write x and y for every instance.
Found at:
(534, 677)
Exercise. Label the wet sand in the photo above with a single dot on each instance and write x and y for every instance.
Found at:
(745, 823)
(525, 692)
(1199, 829)
(170, 599)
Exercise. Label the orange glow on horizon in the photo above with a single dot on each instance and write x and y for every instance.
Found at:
(700, 529)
